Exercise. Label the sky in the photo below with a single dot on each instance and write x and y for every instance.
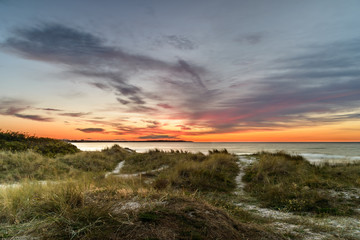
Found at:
(225, 70)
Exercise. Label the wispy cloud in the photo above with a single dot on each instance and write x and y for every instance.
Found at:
(252, 38)
(323, 79)
(176, 41)
(106, 67)
(33, 117)
(164, 105)
(157, 137)
(182, 127)
(17, 107)
(51, 109)
(288, 98)
(91, 130)
(74, 114)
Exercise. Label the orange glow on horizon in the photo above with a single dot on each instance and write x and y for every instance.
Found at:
(341, 132)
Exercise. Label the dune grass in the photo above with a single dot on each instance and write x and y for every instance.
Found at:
(190, 171)
(17, 142)
(215, 172)
(154, 159)
(29, 165)
(190, 199)
(93, 207)
(289, 182)
(114, 208)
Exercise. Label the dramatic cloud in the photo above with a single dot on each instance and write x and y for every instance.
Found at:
(290, 92)
(91, 130)
(157, 137)
(106, 67)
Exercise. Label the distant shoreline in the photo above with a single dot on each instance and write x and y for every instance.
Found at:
(96, 141)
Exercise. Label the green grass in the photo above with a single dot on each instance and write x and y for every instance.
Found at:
(106, 160)
(16, 142)
(155, 159)
(89, 206)
(191, 171)
(289, 182)
(216, 172)
(191, 199)
(30, 165)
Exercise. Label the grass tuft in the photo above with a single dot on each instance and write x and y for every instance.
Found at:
(289, 182)
(216, 172)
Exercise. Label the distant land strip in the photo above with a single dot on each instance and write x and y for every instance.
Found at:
(67, 140)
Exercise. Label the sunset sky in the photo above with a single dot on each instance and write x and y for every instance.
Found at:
(206, 70)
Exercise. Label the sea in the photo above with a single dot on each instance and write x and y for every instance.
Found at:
(314, 152)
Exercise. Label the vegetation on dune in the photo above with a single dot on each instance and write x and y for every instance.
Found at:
(289, 182)
(184, 170)
(190, 198)
(151, 160)
(106, 160)
(15, 142)
(31, 165)
(114, 209)
(216, 172)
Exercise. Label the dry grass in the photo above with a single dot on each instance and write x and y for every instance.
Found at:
(29, 165)
(216, 172)
(282, 181)
(114, 209)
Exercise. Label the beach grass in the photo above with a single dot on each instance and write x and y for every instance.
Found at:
(17, 142)
(29, 165)
(115, 208)
(214, 172)
(289, 182)
(192, 196)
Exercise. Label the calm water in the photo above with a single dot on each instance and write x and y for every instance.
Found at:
(314, 152)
